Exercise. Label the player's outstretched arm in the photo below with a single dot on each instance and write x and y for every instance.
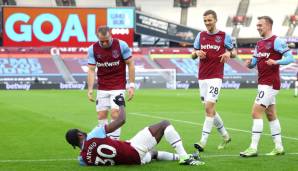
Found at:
(131, 76)
(91, 77)
(119, 100)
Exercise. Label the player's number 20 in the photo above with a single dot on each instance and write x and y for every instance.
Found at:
(103, 155)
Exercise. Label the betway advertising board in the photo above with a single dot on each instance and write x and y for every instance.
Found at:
(66, 27)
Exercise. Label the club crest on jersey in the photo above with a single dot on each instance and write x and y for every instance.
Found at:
(115, 54)
(268, 45)
(217, 39)
(98, 56)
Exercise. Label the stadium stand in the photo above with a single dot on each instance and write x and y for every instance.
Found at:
(96, 3)
(160, 9)
(276, 9)
(36, 3)
(25, 69)
(62, 68)
(7, 2)
(223, 8)
(186, 66)
(295, 34)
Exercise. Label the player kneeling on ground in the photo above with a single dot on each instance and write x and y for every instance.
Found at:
(97, 149)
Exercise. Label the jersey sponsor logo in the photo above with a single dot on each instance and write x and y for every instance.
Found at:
(108, 64)
(209, 46)
(263, 55)
(115, 54)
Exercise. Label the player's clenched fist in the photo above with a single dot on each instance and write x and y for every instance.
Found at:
(119, 100)
(248, 63)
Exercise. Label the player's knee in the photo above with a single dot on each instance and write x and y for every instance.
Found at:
(271, 116)
(256, 114)
(102, 115)
(209, 111)
(165, 123)
(114, 113)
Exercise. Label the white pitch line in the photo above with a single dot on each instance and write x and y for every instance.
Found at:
(36, 160)
(234, 155)
(56, 160)
(199, 124)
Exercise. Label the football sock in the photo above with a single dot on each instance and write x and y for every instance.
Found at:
(116, 134)
(163, 155)
(276, 133)
(207, 127)
(257, 129)
(173, 138)
(218, 123)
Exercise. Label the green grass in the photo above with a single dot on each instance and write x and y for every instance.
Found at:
(33, 125)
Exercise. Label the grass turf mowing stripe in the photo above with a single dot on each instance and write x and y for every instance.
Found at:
(199, 124)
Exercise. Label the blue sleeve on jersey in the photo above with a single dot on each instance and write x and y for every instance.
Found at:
(287, 59)
(228, 42)
(196, 44)
(91, 59)
(81, 161)
(280, 46)
(97, 132)
(253, 63)
(125, 50)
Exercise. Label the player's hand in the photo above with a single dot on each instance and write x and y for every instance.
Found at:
(225, 57)
(131, 93)
(90, 95)
(119, 100)
(201, 54)
(247, 63)
(271, 62)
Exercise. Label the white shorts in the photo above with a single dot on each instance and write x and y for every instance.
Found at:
(104, 99)
(143, 142)
(209, 89)
(296, 83)
(266, 95)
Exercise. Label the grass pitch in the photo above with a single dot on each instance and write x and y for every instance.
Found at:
(33, 125)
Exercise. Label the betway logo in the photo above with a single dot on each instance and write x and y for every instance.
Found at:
(263, 55)
(208, 46)
(108, 64)
(72, 86)
(17, 86)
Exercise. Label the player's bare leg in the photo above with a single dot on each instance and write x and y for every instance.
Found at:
(174, 139)
(257, 129)
(275, 130)
(116, 134)
(102, 117)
